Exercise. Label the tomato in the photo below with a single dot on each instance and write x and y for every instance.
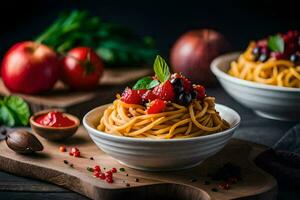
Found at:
(81, 68)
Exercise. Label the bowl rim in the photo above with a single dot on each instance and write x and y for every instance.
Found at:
(151, 140)
(215, 68)
(72, 117)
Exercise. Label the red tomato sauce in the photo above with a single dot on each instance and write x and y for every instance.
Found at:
(54, 119)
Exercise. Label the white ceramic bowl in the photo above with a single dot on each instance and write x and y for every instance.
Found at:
(274, 102)
(160, 154)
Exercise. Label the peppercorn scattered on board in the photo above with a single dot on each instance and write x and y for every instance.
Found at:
(76, 173)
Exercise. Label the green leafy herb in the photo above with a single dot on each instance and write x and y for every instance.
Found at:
(161, 69)
(276, 43)
(153, 83)
(117, 45)
(145, 83)
(6, 117)
(142, 83)
(14, 111)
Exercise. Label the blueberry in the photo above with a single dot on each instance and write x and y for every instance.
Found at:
(263, 57)
(295, 58)
(178, 85)
(185, 98)
(194, 94)
(176, 81)
(256, 52)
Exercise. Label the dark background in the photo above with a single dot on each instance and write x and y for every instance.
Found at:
(239, 21)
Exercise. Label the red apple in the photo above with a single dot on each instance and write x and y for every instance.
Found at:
(30, 68)
(193, 52)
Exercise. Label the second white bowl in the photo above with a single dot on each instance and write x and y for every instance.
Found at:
(160, 154)
(274, 102)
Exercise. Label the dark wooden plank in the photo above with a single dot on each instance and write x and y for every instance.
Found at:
(9, 182)
(41, 196)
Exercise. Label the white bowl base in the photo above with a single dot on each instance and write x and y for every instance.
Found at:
(160, 169)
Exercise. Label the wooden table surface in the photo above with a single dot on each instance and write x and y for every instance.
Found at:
(253, 128)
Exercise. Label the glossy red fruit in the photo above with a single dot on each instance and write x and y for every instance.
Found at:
(149, 96)
(156, 106)
(62, 148)
(262, 43)
(102, 176)
(30, 68)
(81, 68)
(97, 168)
(277, 55)
(131, 96)
(142, 92)
(164, 91)
(114, 170)
(193, 52)
(109, 180)
(96, 174)
(200, 91)
(108, 174)
(77, 154)
(74, 149)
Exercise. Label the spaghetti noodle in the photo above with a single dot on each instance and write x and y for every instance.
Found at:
(272, 72)
(176, 121)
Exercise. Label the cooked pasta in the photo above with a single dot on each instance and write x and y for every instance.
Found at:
(176, 121)
(272, 72)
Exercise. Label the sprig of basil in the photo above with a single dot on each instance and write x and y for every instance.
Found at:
(162, 73)
(161, 69)
(14, 111)
(145, 83)
(276, 43)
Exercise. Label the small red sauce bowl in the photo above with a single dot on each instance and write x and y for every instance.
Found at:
(54, 133)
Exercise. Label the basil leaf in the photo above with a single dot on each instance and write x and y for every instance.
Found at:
(152, 84)
(276, 43)
(18, 108)
(6, 117)
(145, 83)
(142, 83)
(161, 69)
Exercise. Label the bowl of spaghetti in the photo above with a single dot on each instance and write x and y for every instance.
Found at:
(264, 78)
(168, 124)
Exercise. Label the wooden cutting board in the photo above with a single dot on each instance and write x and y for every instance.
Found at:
(49, 166)
(73, 101)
